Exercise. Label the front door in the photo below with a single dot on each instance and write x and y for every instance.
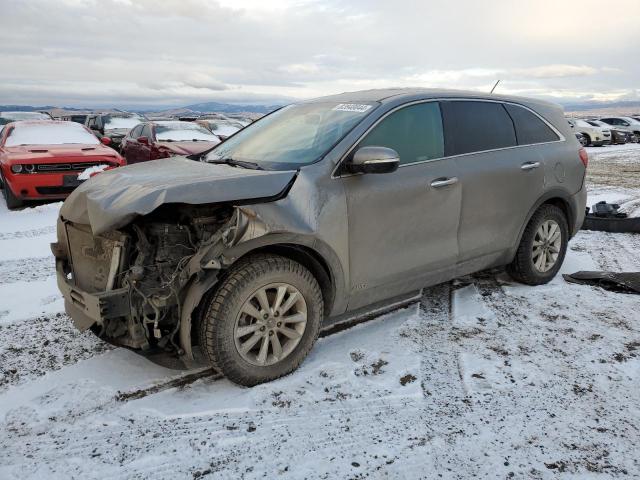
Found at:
(403, 225)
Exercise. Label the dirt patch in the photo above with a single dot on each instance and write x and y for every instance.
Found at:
(408, 378)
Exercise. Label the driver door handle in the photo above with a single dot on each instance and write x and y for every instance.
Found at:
(529, 165)
(444, 182)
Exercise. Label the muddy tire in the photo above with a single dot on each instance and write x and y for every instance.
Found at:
(262, 320)
(542, 248)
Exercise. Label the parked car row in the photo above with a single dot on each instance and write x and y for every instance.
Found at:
(44, 159)
(606, 131)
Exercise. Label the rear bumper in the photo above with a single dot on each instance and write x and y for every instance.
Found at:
(86, 309)
(579, 207)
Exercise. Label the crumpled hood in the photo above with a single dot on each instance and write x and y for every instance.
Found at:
(114, 198)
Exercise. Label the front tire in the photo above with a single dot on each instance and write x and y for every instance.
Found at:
(542, 248)
(12, 201)
(263, 319)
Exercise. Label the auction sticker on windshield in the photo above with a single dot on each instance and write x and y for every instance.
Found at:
(351, 107)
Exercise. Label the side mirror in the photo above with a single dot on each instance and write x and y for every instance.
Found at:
(626, 124)
(374, 160)
(105, 140)
(143, 140)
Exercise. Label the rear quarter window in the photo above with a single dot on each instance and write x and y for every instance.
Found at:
(475, 126)
(530, 129)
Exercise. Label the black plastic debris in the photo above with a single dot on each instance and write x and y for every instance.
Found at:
(619, 282)
(606, 217)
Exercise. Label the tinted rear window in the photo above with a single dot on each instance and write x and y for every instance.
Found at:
(529, 127)
(472, 126)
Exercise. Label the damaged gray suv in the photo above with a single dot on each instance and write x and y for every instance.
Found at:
(315, 213)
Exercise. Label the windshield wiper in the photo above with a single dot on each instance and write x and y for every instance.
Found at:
(237, 163)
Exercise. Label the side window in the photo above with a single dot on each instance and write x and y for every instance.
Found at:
(474, 126)
(529, 128)
(92, 122)
(146, 131)
(415, 132)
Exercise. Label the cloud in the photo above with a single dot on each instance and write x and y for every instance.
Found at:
(83, 51)
(557, 71)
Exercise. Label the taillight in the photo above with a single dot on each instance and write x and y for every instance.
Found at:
(584, 156)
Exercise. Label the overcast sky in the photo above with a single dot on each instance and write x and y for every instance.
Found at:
(176, 52)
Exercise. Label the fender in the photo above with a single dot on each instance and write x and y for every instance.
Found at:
(206, 279)
(337, 274)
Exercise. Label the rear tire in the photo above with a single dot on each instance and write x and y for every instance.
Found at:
(248, 329)
(541, 251)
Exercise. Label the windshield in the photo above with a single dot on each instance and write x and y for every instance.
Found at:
(53, 133)
(112, 123)
(8, 117)
(183, 131)
(292, 136)
(630, 120)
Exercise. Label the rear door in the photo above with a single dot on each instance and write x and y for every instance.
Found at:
(500, 183)
(403, 225)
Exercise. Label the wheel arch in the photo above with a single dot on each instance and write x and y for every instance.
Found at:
(313, 254)
(321, 262)
(560, 199)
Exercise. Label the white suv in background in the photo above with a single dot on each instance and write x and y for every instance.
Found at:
(596, 136)
(624, 123)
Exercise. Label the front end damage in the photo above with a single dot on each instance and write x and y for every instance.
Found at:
(139, 285)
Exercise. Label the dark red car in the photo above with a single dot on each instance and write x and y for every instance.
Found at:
(44, 159)
(162, 139)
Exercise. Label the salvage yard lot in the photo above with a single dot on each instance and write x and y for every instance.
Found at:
(483, 378)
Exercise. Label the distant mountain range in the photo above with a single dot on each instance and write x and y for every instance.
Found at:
(626, 105)
(210, 107)
(206, 107)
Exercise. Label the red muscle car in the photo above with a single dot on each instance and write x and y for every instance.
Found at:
(43, 159)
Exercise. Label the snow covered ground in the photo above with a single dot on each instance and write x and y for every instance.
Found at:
(482, 378)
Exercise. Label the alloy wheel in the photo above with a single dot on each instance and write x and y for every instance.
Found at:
(546, 246)
(270, 324)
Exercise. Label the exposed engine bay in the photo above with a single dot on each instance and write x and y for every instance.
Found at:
(152, 260)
